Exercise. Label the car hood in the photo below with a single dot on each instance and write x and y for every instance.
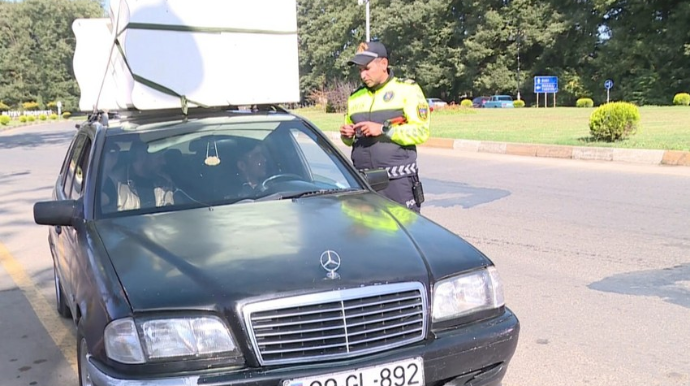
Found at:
(203, 258)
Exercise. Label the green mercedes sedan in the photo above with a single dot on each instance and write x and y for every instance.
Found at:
(241, 247)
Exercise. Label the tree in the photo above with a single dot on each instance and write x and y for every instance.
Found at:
(36, 49)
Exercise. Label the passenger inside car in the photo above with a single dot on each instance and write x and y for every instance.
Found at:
(112, 176)
(146, 183)
(253, 169)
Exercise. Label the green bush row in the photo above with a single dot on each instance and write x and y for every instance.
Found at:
(614, 121)
(584, 102)
(4, 120)
(681, 99)
(519, 103)
(466, 103)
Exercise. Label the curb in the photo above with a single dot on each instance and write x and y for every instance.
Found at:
(638, 156)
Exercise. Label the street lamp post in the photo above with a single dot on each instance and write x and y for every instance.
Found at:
(366, 2)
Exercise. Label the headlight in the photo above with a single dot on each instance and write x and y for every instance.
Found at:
(167, 338)
(461, 295)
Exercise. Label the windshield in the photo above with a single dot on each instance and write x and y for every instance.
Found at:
(212, 163)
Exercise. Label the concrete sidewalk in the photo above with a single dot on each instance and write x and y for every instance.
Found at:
(640, 156)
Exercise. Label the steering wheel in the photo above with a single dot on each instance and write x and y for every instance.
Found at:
(280, 177)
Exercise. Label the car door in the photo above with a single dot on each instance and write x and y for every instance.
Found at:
(72, 189)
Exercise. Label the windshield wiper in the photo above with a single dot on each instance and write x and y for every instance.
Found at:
(321, 192)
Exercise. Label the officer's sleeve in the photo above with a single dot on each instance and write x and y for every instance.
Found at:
(416, 129)
(347, 141)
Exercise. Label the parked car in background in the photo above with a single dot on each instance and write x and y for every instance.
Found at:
(436, 103)
(499, 101)
(479, 102)
(209, 248)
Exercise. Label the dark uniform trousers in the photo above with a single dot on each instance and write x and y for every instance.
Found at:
(400, 190)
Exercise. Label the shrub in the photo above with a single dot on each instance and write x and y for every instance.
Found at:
(51, 105)
(53, 116)
(519, 103)
(42, 117)
(681, 99)
(614, 121)
(4, 107)
(22, 119)
(466, 103)
(66, 115)
(31, 118)
(584, 102)
(30, 106)
(4, 120)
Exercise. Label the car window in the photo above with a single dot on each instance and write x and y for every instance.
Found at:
(71, 165)
(80, 171)
(210, 162)
(505, 98)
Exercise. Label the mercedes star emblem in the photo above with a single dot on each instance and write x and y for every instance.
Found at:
(330, 261)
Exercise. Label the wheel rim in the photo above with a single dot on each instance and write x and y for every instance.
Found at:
(84, 377)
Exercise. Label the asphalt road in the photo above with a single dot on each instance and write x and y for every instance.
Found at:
(595, 258)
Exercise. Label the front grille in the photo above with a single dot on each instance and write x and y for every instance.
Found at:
(337, 324)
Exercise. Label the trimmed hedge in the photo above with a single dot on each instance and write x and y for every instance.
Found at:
(4, 120)
(66, 115)
(519, 103)
(584, 102)
(42, 117)
(31, 118)
(681, 99)
(53, 116)
(22, 118)
(614, 121)
(466, 103)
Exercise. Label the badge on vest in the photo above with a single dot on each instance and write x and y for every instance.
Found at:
(423, 111)
(387, 97)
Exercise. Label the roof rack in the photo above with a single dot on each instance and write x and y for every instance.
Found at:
(140, 116)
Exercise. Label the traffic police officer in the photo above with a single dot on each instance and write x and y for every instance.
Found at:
(386, 118)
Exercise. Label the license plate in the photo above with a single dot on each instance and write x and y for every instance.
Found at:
(409, 372)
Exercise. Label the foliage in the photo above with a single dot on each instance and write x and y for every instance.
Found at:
(333, 98)
(37, 46)
(584, 102)
(4, 120)
(51, 105)
(31, 118)
(22, 118)
(518, 103)
(681, 99)
(53, 116)
(4, 107)
(42, 117)
(466, 103)
(30, 106)
(66, 115)
(614, 121)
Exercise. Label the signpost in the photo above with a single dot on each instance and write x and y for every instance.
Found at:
(59, 107)
(608, 84)
(546, 85)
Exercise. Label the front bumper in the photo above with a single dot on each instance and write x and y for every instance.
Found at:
(474, 355)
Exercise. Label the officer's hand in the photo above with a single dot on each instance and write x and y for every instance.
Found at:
(347, 131)
(370, 129)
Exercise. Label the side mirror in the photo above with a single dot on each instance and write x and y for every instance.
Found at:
(55, 212)
(377, 178)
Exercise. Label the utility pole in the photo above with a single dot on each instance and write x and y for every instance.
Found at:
(366, 3)
(518, 64)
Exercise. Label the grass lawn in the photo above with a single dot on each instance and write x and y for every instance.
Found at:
(661, 127)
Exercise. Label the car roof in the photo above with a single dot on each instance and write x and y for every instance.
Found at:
(141, 121)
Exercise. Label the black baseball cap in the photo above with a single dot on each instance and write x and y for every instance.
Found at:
(367, 52)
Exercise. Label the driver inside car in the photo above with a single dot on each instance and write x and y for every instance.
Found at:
(252, 169)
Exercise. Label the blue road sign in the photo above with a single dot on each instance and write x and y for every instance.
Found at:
(608, 84)
(545, 84)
